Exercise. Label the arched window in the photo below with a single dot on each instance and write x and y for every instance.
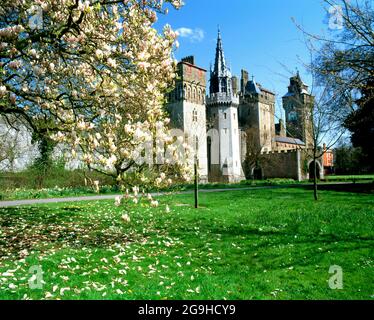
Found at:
(185, 91)
(292, 116)
(223, 86)
(196, 143)
(194, 115)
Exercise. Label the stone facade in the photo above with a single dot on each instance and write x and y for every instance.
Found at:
(222, 114)
(298, 103)
(188, 111)
(237, 120)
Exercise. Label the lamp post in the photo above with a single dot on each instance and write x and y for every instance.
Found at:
(196, 183)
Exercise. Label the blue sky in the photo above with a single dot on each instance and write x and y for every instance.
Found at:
(258, 35)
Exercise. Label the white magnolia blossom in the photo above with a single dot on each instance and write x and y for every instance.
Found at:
(126, 218)
(103, 80)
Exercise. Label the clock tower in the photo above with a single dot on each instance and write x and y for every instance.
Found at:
(298, 105)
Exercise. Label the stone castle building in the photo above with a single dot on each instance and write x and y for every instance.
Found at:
(233, 126)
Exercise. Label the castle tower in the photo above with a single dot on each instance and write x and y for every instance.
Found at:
(222, 114)
(186, 105)
(298, 103)
(256, 114)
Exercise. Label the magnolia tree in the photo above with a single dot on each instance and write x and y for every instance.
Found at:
(95, 74)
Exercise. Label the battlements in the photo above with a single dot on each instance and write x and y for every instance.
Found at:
(281, 151)
(222, 98)
(189, 59)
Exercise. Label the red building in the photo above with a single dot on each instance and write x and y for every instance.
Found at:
(328, 160)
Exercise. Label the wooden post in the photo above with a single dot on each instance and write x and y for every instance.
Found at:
(196, 184)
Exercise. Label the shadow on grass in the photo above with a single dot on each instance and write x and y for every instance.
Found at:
(276, 249)
(353, 188)
(285, 236)
(39, 228)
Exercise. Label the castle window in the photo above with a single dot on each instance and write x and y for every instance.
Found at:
(292, 116)
(180, 92)
(225, 115)
(194, 115)
(184, 91)
(224, 86)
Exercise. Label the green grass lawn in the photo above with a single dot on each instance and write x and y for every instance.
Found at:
(260, 244)
(57, 192)
(350, 178)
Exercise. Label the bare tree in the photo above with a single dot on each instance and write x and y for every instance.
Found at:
(342, 66)
(15, 145)
(325, 129)
(345, 59)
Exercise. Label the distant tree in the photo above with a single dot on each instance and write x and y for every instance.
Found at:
(343, 67)
(15, 144)
(326, 128)
(345, 61)
(348, 160)
(9, 151)
(361, 124)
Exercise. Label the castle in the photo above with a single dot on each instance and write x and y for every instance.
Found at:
(233, 127)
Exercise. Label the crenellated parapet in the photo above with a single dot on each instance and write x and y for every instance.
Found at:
(281, 151)
(222, 98)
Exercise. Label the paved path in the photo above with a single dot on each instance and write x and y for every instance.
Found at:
(16, 203)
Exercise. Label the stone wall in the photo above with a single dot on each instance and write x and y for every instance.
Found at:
(291, 164)
(282, 165)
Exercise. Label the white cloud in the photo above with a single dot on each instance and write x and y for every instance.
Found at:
(194, 35)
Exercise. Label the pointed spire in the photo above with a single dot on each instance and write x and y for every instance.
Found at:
(220, 78)
(220, 67)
